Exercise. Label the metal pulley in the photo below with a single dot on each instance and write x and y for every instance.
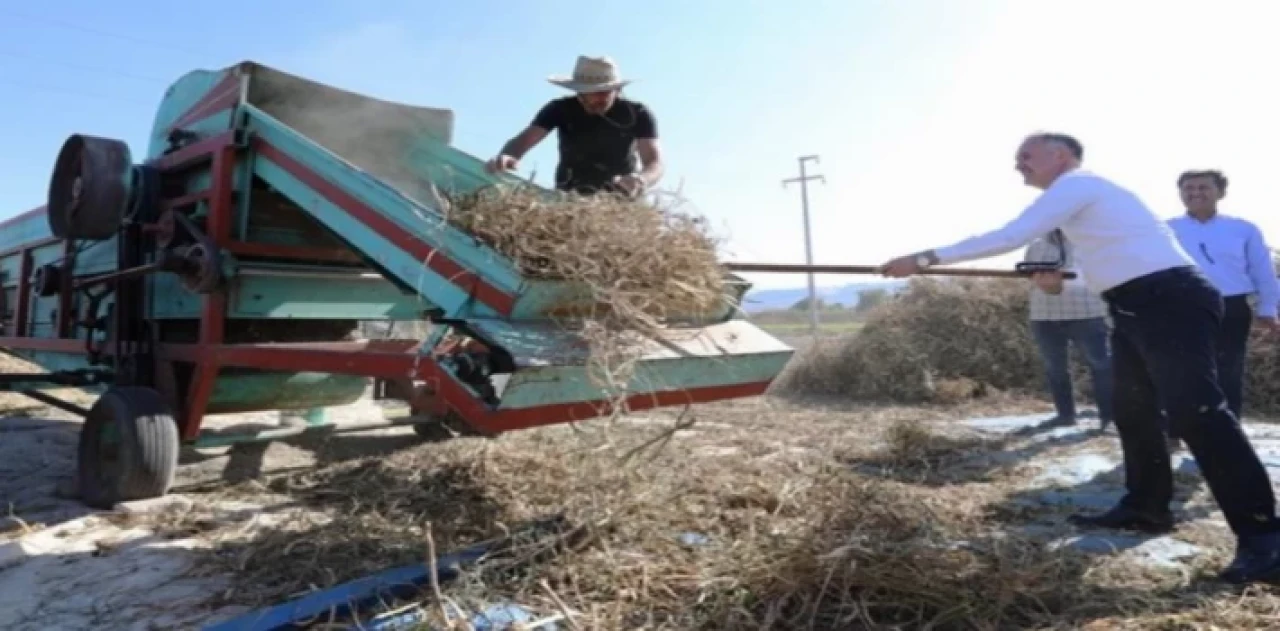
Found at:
(205, 271)
(198, 266)
(91, 187)
(47, 280)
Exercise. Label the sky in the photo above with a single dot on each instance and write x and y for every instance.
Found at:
(915, 107)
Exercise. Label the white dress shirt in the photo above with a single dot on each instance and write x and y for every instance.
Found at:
(1117, 238)
(1233, 254)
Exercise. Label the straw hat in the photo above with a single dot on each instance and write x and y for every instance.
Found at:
(591, 74)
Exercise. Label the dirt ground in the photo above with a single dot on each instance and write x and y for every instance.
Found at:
(64, 567)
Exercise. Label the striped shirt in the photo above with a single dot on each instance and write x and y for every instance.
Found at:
(1077, 301)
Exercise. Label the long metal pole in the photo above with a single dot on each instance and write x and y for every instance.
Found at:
(803, 180)
(1020, 271)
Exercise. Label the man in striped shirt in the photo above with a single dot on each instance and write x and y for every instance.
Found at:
(1067, 313)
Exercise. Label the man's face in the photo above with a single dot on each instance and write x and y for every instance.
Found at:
(1200, 194)
(1041, 162)
(598, 102)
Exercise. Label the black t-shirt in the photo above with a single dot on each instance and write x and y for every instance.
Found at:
(595, 149)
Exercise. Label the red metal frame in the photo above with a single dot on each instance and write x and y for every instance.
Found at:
(434, 259)
(384, 359)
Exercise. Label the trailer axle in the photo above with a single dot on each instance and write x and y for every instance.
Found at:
(73, 378)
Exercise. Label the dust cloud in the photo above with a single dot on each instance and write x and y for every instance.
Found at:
(378, 137)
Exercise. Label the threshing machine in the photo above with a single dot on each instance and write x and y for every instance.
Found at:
(228, 272)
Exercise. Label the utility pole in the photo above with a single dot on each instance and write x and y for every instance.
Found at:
(804, 180)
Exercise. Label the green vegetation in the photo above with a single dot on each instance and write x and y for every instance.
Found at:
(833, 319)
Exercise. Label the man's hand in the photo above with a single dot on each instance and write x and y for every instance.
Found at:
(1048, 282)
(502, 162)
(631, 185)
(902, 266)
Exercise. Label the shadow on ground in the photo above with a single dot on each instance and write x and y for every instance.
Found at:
(247, 461)
(38, 464)
(914, 454)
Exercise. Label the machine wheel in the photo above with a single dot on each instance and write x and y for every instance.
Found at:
(128, 448)
(89, 192)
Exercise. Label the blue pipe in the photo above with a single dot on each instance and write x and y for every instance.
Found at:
(403, 581)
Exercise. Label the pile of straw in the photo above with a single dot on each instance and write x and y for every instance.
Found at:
(1262, 381)
(782, 533)
(638, 259)
(942, 341)
(634, 266)
(938, 341)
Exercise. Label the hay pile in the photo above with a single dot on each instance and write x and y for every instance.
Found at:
(1262, 379)
(938, 341)
(636, 259)
(946, 340)
(637, 265)
(766, 526)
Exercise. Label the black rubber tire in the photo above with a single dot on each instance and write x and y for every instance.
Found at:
(146, 458)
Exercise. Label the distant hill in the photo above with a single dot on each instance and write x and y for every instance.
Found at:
(847, 295)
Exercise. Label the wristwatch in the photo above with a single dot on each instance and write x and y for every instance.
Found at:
(926, 258)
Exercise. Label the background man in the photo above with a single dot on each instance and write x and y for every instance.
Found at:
(1065, 313)
(1166, 318)
(1234, 256)
(600, 134)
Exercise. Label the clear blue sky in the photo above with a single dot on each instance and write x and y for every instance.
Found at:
(915, 106)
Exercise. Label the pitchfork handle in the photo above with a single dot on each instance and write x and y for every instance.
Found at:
(1020, 271)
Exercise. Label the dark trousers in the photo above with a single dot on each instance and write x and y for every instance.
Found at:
(1090, 338)
(1233, 340)
(1164, 356)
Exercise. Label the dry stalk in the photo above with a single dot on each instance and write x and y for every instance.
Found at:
(779, 533)
(940, 341)
(633, 268)
(945, 341)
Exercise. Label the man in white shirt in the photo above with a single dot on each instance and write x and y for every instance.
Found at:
(1233, 254)
(1065, 313)
(1166, 317)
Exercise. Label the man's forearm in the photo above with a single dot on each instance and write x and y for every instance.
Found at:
(514, 149)
(1262, 270)
(1268, 300)
(1268, 296)
(651, 173)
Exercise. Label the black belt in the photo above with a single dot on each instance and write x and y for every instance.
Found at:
(1142, 282)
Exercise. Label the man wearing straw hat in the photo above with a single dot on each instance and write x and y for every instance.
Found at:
(601, 134)
(1166, 315)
